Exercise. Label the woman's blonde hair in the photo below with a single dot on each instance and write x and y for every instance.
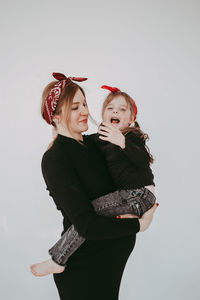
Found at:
(65, 100)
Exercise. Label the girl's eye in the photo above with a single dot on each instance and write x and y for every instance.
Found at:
(75, 108)
(109, 108)
(85, 104)
(123, 109)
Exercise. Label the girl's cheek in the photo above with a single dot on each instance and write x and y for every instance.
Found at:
(104, 117)
(107, 118)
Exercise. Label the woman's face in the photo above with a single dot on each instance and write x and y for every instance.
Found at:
(78, 118)
(118, 113)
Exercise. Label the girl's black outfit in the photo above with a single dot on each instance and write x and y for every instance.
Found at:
(75, 174)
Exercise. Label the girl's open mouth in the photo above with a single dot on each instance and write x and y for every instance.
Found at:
(114, 120)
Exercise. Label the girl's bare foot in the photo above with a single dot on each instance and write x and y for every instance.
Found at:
(46, 267)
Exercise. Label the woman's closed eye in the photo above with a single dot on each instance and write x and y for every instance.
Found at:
(76, 107)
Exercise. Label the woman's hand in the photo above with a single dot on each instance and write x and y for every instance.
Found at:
(111, 134)
(128, 216)
(145, 220)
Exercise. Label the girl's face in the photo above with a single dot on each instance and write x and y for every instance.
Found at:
(118, 113)
(78, 118)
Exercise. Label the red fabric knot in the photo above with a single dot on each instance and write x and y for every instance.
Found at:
(110, 88)
(59, 76)
(78, 78)
(55, 92)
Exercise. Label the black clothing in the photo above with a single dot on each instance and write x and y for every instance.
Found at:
(75, 174)
(95, 270)
(129, 167)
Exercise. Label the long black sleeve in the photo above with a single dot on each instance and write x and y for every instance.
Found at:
(71, 198)
(136, 151)
(129, 167)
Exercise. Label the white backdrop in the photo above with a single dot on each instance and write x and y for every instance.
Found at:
(149, 49)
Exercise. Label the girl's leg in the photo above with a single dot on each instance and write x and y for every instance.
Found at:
(129, 201)
(46, 267)
(60, 252)
(66, 245)
(120, 202)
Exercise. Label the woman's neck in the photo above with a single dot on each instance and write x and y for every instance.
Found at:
(65, 132)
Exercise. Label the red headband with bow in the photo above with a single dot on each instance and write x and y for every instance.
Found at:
(54, 94)
(115, 90)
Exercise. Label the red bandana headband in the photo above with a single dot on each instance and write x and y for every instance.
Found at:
(54, 94)
(115, 90)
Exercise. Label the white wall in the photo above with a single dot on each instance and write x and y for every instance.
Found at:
(149, 49)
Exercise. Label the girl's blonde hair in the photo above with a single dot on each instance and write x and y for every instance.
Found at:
(136, 128)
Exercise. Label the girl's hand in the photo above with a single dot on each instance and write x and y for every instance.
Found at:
(111, 134)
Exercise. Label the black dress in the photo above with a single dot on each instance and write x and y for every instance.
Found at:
(75, 174)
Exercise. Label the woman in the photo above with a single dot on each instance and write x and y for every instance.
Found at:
(75, 173)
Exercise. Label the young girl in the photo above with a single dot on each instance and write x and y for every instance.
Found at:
(128, 160)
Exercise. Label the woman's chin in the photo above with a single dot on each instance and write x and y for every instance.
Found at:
(84, 127)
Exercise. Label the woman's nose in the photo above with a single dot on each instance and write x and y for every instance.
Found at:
(84, 110)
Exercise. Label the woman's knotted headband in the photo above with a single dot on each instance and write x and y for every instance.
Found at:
(54, 94)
